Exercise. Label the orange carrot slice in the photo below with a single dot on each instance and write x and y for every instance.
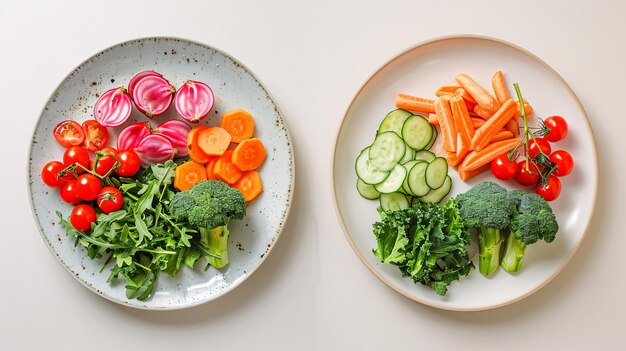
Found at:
(477, 122)
(502, 135)
(453, 159)
(225, 170)
(414, 103)
(482, 113)
(446, 123)
(527, 108)
(513, 126)
(466, 96)
(195, 153)
(485, 133)
(467, 175)
(499, 87)
(188, 174)
(249, 154)
(442, 93)
(462, 120)
(210, 167)
(449, 88)
(480, 95)
(477, 159)
(239, 124)
(249, 185)
(214, 140)
(432, 119)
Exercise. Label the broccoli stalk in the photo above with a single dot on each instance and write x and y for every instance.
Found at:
(209, 206)
(532, 220)
(487, 208)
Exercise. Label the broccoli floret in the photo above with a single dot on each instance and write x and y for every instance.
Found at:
(532, 220)
(487, 208)
(209, 206)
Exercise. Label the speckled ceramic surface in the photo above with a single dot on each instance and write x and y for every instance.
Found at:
(235, 86)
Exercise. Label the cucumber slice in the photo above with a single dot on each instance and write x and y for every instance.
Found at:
(432, 138)
(366, 190)
(409, 154)
(417, 179)
(405, 185)
(436, 173)
(366, 172)
(417, 132)
(435, 196)
(386, 150)
(393, 182)
(393, 121)
(394, 202)
(425, 155)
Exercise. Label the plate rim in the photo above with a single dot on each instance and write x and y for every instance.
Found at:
(285, 214)
(338, 213)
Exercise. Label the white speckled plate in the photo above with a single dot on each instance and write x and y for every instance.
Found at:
(235, 87)
(420, 71)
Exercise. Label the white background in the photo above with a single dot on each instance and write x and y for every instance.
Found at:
(312, 293)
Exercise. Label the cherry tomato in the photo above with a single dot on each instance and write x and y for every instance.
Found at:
(110, 199)
(129, 163)
(550, 190)
(503, 168)
(105, 163)
(82, 216)
(68, 193)
(558, 128)
(96, 135)
(69, 133)
(76, 154)
(87, 186)
(50, 174)
(564, 162)
(538, 143)
(523, 176)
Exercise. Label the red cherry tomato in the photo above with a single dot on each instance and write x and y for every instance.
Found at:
(564, 162)
(96, 135)
(87, 186)
(503, 168)
(68, 193)
(50, 174)
(105, 163)
(110, 199)
(538, 143)
(69, 133)
(551, 190)
(523, 176)
(558, 128)
(82, 216)
(129, 163)
(76, 154)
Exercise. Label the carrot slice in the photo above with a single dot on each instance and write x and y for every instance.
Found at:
(499, 87)
(466, 96)
(453, 159)
(449, 88)
(239, 124)
(463, 143)
(462, 120)
(442, 93)
(477, 122)
(477, 159)
(485, 133)
(502, 135)
(225, 170)
(480, 95)
(466, 175)
(482, 113)
(527, 108)
(214, 140)
(210, 167)
(195, 153)
(414, 103)
(188, 174)
(250, 185)
(432, 119)
(446, 123)
(513, 126)
(249, 154)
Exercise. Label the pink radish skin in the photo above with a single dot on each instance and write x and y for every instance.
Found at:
(153, 95)
(153, 149)
(137, 77)
(131, 136)
(176, 131)
(113, 107)
(194, 100)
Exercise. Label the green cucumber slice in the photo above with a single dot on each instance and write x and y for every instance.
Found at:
(425, 155)
(366, 172)
(394, 202)
(436, 173)
(366, 190)
(417, 179)
(417, 132)
(393, 183)
(393, 121)
(386, 150)
(432, 138)
(435, 196)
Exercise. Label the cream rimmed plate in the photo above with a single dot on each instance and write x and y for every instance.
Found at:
(420, 71)
(235, 86)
